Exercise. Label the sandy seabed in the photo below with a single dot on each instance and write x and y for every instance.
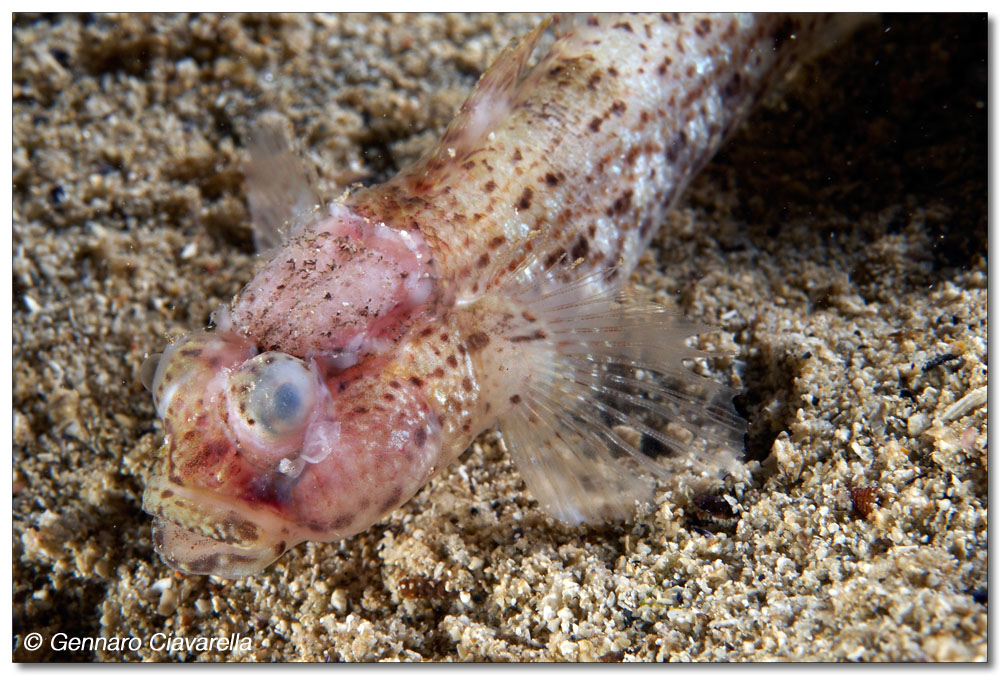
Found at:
(839, 240)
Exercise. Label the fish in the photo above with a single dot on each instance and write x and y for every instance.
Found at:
(487, 285)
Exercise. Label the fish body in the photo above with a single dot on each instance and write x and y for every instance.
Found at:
(485, 285)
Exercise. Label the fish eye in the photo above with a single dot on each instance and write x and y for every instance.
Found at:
(273, 394)
(287, 402)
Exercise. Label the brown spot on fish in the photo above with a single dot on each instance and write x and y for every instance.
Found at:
(621, 204)
(664, 65)
(239, 530)
(392, 500)
(524, 203)
(205, 564)
(211, 452)
(477, 341)
(515, 399)
(531, 337)
(340, 522)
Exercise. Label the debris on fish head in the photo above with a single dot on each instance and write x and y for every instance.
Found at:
(291, 421)
(343, 288)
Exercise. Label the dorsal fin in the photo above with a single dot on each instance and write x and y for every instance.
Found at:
(279, 192)
(612, 406)
(489, 103)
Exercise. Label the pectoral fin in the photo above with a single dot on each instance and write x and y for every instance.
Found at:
(611, 406)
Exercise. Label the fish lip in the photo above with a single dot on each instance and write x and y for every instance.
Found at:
(191, 553)
(206, 514)
(197, 532)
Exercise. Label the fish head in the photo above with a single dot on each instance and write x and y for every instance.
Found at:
(347, 287)
(209, 502)
(263, 450)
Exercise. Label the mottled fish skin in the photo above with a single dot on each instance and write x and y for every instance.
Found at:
(594, 146)
(481, 286)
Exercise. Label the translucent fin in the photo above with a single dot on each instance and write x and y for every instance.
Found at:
(611, 407)
(279, 192)
(489, 103)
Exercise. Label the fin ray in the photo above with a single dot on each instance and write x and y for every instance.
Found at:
(495, 95)
(611, 406)
(279, 193)
(560, 474)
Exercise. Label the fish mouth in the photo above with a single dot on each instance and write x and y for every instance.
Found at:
(197, 532)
